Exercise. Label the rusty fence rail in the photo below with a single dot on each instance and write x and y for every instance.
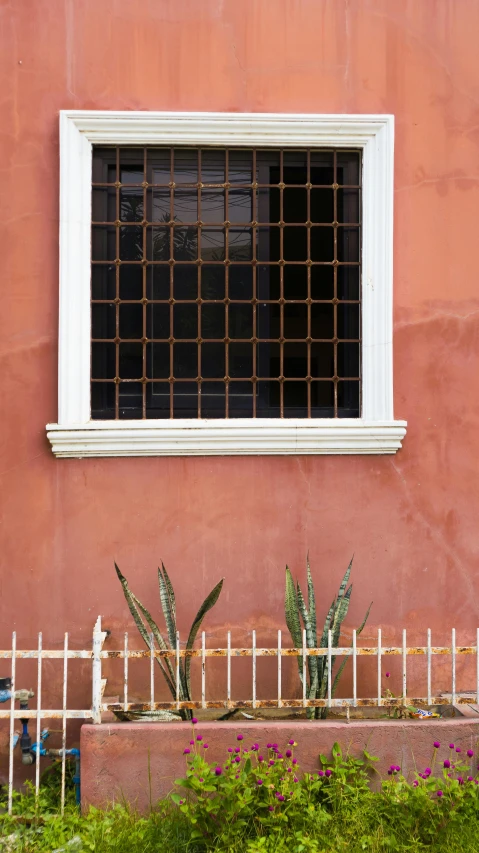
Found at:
(97, 654)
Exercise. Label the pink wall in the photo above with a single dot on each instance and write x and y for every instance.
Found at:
(410, 519)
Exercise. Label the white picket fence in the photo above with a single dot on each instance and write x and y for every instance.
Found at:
(98, 654)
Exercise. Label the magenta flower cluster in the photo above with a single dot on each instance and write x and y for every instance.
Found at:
(451, 770)
(275, 778)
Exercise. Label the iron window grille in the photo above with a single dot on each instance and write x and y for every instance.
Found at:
(225, 283)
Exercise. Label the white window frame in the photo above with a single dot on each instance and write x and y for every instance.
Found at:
(375, 432)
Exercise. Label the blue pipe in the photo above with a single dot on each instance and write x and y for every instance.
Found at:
(31, 751)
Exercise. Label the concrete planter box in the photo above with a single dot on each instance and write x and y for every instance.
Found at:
(139, 762)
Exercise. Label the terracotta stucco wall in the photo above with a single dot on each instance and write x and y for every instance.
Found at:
(410, 519)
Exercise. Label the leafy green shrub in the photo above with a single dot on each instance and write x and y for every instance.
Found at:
(259, 795)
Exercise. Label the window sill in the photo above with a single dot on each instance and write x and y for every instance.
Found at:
(241, 437)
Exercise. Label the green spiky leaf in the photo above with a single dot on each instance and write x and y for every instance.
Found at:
(168, 608)
(340, 670)
(208, 603)
(358, 630)
(311, 601)
(171, 591)
(345, 580)
(138, 610)
(291, 608)
(310, 636)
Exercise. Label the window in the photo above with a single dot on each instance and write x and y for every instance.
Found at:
(225, 283)
(213, 273)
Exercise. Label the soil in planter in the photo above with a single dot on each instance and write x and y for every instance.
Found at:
(281, 714)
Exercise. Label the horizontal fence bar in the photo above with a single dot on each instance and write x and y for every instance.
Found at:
(47, 714)
(240, 652)
(84, 654)
(292, 703)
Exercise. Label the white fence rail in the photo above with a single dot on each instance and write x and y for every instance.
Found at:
(98, 654)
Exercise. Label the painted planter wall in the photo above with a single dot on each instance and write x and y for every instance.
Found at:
(139, 762)
(411, 519)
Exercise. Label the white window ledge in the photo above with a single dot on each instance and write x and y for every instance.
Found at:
(219, 438)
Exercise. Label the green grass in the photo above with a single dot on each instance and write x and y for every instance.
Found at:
(373, 823)
(258, 801)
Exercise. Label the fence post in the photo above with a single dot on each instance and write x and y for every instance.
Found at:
(98, 640)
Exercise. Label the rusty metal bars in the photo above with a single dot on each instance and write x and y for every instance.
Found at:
(285, 274)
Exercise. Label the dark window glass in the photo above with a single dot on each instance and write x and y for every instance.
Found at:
(225, 283)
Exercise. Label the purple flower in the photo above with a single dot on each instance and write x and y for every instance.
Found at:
(270, 762)
(415, 783)
(201, 779)
(388, 674)
(458, 749)
(281, 798)
(259, 781)
(186, 751)
(460, 780)
(237, 749)
(194, 721)
(439, 793)
(470, 753)
(237, 759)
(275, 746)
(451, 746)
(199, 737)
(192, 742)
(279, 755)
(269, 745)
(295, 761)
(271, 808)
(230, 749)
(260, 758)
(328, 772)
(427, 771)
(288, 753)
(237, 776)
(239, 737)
(288, 770)
(436, 745)
(390, 773)
(470, 778)
(291, 742)
(321, 773)
(218, 771)
(205, 746)
(295, 779)
(447, 764)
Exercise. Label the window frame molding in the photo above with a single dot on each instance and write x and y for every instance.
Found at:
(375, 432)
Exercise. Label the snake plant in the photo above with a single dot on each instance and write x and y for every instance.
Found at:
(168, 604)
(297, 611)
